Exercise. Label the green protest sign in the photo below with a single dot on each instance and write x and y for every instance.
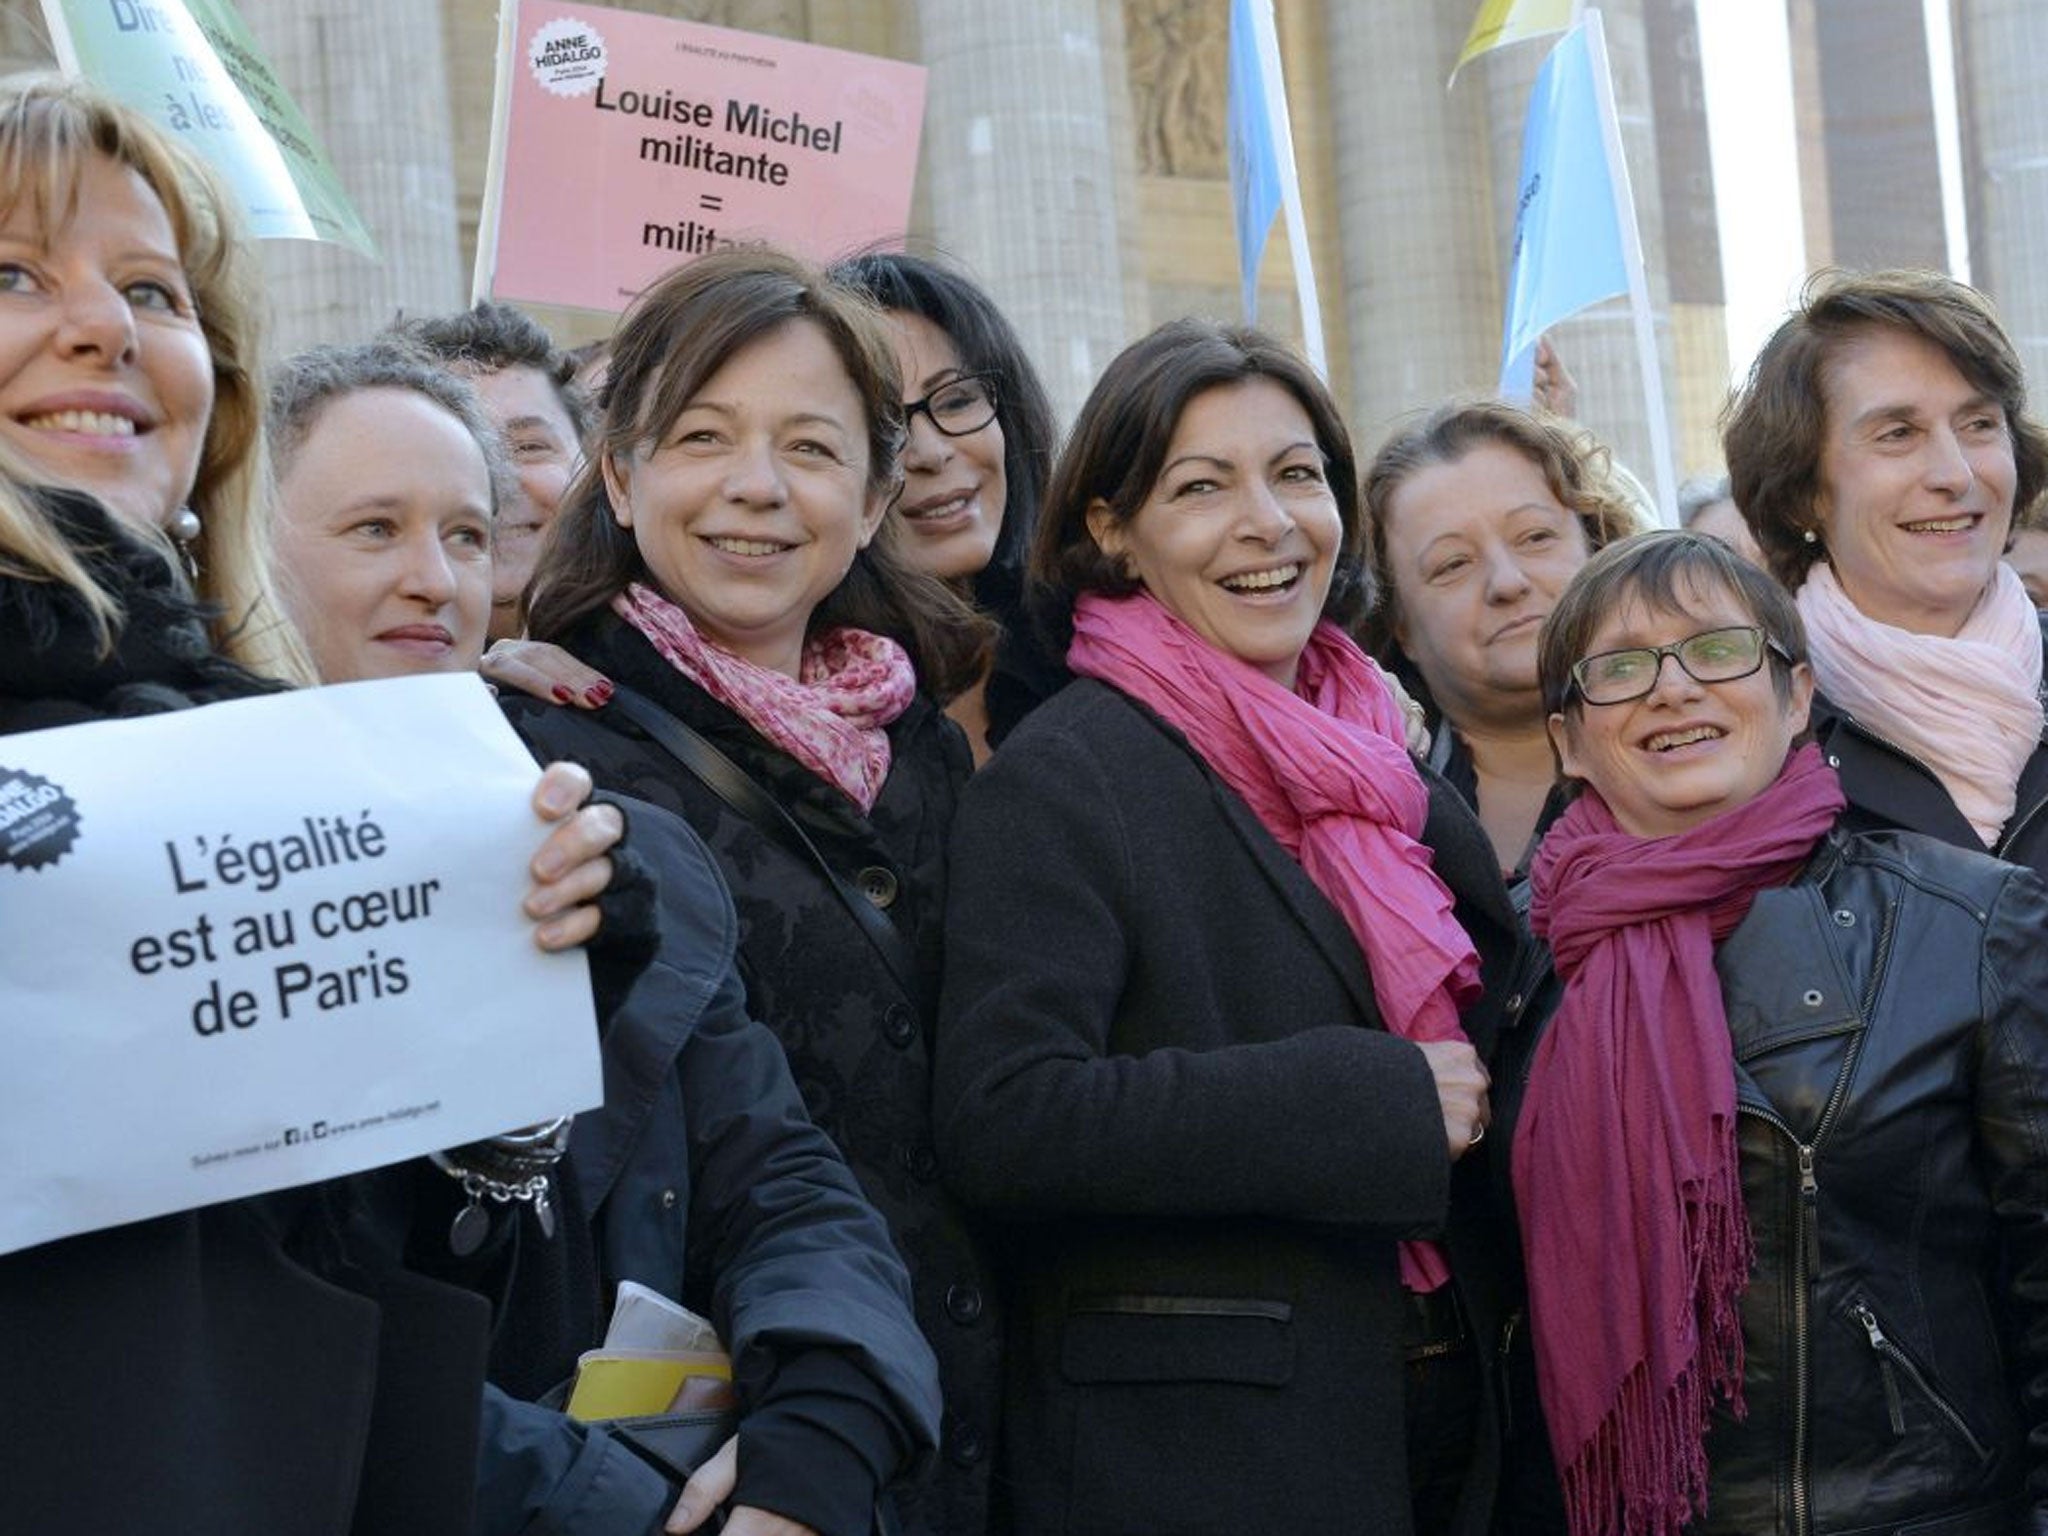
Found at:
(193, 68)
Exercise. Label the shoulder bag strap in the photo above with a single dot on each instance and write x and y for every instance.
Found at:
(732, 784)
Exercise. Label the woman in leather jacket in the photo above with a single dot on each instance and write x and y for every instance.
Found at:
(1808, 1210)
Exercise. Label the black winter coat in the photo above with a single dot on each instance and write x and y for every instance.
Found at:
(858, 1044)
(1889, 1011)
(1160, 1057)
(702, 1178)
(268, 1364)
(1890, 789)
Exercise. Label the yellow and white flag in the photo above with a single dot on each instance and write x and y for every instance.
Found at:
(1510, 21)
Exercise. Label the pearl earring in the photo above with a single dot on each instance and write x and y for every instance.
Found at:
(1810, 536)
(184, 528)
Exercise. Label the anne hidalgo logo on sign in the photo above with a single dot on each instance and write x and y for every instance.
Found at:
(567, 58)
(38, 822)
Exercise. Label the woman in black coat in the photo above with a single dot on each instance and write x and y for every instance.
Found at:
(1167, 1057)
(719, 561)
(263, 1364)
(700, 1175)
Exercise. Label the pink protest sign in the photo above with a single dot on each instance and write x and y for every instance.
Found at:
(626, 144)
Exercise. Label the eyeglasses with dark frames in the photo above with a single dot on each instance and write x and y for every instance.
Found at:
(959, 406)
(1712, 656)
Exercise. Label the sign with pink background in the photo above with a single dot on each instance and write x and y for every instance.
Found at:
(626, 144)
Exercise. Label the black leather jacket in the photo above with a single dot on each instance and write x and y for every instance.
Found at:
(1890, 1019)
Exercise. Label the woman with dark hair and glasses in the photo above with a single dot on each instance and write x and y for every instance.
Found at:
(978, 445)
(1776, 1138)
(979, 448)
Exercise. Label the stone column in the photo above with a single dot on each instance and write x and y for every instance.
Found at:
(372, 78)
(1421, 254)
(1031, 173)
(1999, 44)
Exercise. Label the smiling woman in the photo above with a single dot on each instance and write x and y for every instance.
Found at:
(1214, 950)
(1821, 1049)
(724, 559)
(1883, 456)
(247, 1378)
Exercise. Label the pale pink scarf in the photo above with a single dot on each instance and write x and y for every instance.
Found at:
(831, 718)
(1327, 772)
(1969, 708)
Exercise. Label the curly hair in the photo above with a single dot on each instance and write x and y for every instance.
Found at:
(489, 337)
(1576, 466)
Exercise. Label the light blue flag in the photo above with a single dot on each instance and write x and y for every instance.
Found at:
(1254, 157)
(1568, 250)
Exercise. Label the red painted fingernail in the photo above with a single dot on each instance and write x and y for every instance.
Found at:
(562, 693)
(598, 693)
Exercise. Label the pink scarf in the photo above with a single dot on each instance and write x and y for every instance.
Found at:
(1326, 771)
(1624, 1159)
(831, 718)
(1969, 708)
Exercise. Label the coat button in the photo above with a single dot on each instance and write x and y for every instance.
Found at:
(921, 1162)
(668, 1199)
(966, 1449)
(1515, 1003)
(877, 884)
(1812, 999)
(1834, 762)
(899, 1025)
(963, 1304)
(1844, 918)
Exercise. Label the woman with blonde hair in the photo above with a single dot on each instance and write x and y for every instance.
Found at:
(269, 1363)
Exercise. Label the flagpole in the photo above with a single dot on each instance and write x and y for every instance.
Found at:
(1638, 280)
(1290, 189)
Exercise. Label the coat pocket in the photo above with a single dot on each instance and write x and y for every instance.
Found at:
(1184, 1417)
(1137, 1338)
(1904, 1381)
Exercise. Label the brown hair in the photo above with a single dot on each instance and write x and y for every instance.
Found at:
(1774, 430)
(1657, 569)
(677, 335)
(1119, 443)
(490, 337)
(49, 129)
(1575, 465)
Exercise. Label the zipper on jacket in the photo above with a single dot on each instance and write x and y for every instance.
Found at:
(2011, 834)
(1805, 1252)
(1891, 1360)
(2005, 838)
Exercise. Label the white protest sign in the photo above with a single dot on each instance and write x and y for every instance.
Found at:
(267, 942)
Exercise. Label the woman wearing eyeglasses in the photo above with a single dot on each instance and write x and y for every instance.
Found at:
(1780, 1152)
(979, 448)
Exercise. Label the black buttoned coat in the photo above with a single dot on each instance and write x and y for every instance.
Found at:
(858, 1043)
(1161, 1059)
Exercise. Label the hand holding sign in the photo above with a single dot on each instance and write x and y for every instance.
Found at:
(284, 944)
